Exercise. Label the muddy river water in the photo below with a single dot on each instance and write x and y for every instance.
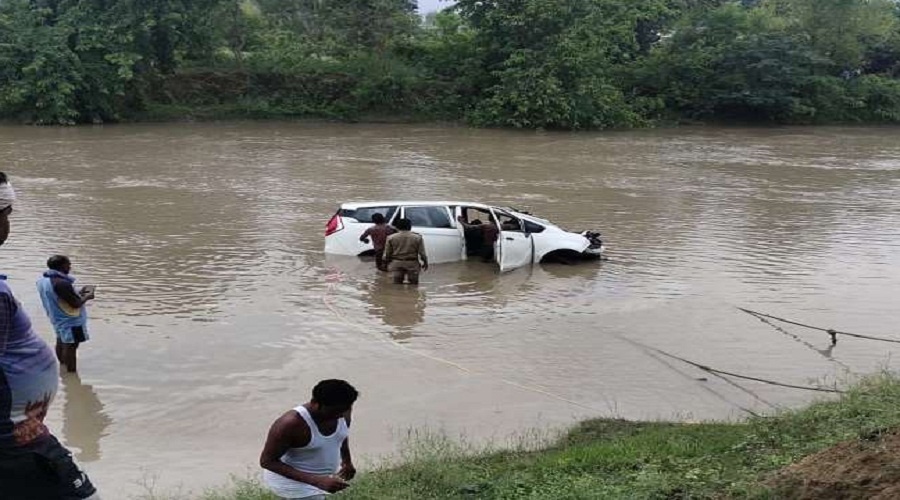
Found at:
(217, 309)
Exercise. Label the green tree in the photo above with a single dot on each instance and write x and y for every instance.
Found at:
(551, 63)
(39, 73)
(342, 28)
(68, 61)
(760, 62)
(65, 63)
(842, 30)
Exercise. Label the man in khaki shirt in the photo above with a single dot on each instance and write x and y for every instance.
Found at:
(403, 251)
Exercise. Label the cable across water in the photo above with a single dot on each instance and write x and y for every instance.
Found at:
(830, 331)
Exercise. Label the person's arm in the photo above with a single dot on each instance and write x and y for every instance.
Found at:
(284, 435)
(422, 256)
(8, 308)
(66, 292)
(4, 224)
(388, 251)
(348, 471)
(365, 236)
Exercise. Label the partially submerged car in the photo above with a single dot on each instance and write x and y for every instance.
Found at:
(451, 232)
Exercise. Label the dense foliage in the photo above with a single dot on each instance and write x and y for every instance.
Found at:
(566, 64)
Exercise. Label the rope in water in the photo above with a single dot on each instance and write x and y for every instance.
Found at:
(709, 369)
(830, 331)
(704, 386)
(824, 353)
(667, 364)
(713, 371)
(447, 362)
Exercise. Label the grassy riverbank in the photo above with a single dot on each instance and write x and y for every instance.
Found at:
(620, 459)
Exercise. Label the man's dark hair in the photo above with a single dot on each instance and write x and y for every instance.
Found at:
(378, 218)
(58, 262)
(335, 393)
(403, 224)
(3, 179)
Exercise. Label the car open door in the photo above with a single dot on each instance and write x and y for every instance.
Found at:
(457, 213)
(515, 247)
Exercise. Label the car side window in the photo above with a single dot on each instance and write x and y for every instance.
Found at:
(533, 227)
(365, 214)
(508, 222)
(428, 216)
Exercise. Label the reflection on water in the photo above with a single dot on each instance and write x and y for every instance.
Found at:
(217, 309)
(401, 307)
(84, 418)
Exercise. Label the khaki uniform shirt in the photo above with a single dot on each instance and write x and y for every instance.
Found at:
(405, 246)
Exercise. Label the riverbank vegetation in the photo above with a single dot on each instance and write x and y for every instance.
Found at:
(855, 437)
(556, 64)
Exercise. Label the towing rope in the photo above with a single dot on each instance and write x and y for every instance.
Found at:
(825, 353)
(830, 331)
(721, 374)
(715, 371)
(704, 386)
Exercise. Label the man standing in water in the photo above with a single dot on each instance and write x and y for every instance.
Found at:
(379, 234)
(65, 308)
(307, 445)
(403, 251)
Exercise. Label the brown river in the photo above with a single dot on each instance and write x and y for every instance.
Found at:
(217, 309)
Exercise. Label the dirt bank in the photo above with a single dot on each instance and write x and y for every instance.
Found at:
(864, 468)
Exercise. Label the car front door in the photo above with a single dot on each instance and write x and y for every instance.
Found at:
(515, 247)
(461, 230)
(442, 239)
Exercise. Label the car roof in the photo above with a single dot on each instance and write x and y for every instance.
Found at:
(365, 204)
(369, 204)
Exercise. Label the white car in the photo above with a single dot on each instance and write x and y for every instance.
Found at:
(523, 239)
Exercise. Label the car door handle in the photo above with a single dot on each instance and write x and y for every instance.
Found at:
(510, 239)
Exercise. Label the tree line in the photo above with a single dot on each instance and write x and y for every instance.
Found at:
(556, 64)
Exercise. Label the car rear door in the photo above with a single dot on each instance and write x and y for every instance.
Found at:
(443, 242)
(515, 247)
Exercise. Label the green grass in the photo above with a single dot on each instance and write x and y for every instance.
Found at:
(620, 459)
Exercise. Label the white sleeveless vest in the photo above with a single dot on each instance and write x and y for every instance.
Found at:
(321, 456)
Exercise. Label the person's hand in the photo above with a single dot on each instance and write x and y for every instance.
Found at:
(364, 240)
(347, 472)
(331, 484)
(86, 293)
(425, 266)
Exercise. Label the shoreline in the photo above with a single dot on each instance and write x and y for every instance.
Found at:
(761, 457)
(228, 114)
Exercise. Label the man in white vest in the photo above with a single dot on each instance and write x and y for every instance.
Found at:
(307, 451)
